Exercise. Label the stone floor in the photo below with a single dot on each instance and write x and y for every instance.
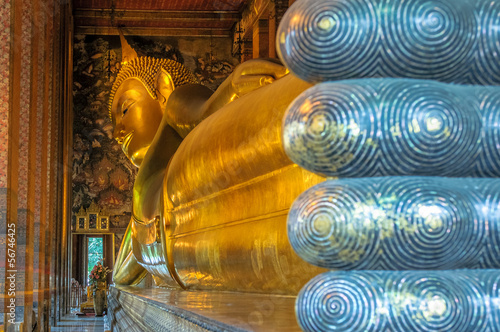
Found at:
(73, 323)
(160, 309)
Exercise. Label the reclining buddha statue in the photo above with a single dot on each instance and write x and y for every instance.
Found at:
(397, 192)
(214, 186)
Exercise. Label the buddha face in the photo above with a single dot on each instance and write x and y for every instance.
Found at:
(136, 118)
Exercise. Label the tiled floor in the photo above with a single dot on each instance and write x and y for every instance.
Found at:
(73, 323)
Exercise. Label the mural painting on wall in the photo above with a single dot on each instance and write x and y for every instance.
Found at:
(201, 56)
(101, 172)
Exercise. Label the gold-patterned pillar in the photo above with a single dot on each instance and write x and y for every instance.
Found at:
(55, 169)
(261, 39)
(54, 162)
(67, 153)
(28, 145)
(272, 30)
(51, 183)
(8, 187)
(45, 174)
(59, 199)
(246, 50)
(34, 158)
(18, 169)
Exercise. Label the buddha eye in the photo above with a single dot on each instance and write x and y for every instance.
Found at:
(126, 105)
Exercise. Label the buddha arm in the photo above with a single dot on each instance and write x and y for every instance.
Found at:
(246, 77)
(189, 104)
(146, 195)
(126, 270)
(148, 183)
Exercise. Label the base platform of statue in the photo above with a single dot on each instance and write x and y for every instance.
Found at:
(160, 309)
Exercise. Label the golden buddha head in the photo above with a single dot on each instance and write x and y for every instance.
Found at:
(138, 99)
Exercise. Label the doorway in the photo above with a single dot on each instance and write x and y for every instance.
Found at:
(88, 249)
(95, 252)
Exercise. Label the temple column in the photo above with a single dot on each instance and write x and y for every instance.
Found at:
(260, 40)
(246, 50)
(29, 159)
(271, 35)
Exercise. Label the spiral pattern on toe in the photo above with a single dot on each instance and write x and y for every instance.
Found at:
(326, 38)
(493, 288)
(425, 127)
(427, 38)
(488, 19)
(327, 303)
(379, 127)
(323, 222)
(327, 129)
(459, 300)
(489, 198)
(436, 301)
(435, 225)
(490, 157)
(447, 40)
(398, 223)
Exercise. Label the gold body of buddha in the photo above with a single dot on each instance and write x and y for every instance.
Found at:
(214, 186)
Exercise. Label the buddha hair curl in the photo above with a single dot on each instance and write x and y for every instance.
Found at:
(147, 69)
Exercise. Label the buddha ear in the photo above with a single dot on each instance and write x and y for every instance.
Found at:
(164, 87)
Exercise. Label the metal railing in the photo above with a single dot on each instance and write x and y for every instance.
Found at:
(78, 296)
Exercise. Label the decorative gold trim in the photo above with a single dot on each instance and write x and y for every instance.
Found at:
(92, 220)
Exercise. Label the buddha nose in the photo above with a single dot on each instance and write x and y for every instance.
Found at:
(119, 133)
